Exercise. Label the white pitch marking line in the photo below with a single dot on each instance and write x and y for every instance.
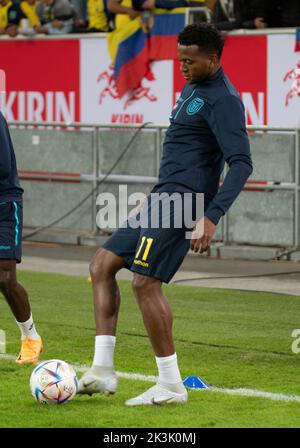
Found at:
(152, 379)
(255, 393)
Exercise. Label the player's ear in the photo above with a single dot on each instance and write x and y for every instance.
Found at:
(211, 63)
(213, 60)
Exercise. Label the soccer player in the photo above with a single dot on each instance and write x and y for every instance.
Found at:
(207, 128)
(10, 249)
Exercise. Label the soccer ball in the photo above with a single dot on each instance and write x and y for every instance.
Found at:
(54, 382)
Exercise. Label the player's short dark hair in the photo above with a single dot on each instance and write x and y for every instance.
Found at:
(205, 36)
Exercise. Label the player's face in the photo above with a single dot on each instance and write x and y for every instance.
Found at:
(195, 65)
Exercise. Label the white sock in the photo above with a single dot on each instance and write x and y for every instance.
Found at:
(28, 329)
(104, 351)
(168, 373)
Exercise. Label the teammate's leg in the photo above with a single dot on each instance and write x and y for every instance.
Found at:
(158, 321)
(14, 293)
(101, 377)
(17, 298)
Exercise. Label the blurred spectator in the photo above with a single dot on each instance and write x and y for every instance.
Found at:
(198, 3)
(140, 5)
(165, 4)
(124, 11)
(270, 10)
(98, 16)
(210, 4)
(4, 6)
(127, 10)
(81, 8)
(31, 24)
(147, 20)
(19, 18)
(57, 16)
(28, 7)
(11, 16)
(290, 13)
(233, 14)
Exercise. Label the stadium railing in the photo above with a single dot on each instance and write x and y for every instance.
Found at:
(276, 169)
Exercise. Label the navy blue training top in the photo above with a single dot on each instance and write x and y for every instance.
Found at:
(207, 128)
(10, 189)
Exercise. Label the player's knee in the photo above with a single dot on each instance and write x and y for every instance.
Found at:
(138, 283)
(97, 266)
(144, 286)
(100, 266)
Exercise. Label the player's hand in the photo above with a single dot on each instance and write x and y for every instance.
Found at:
(134, 14)
(260, 23)
(12, 30)
(58, 24)
(79, 23)
(148, 4)
(202, 235)
(39, 29)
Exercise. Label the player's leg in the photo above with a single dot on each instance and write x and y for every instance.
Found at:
(157, 316)
(159, 254)
(101, 377)
(117, 253)
(103, 269)
(156, 312)
(17, 298)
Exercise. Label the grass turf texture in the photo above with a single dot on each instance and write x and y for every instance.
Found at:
(230, 338)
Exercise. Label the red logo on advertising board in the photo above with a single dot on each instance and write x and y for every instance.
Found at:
(2, 81)
(42, 80)
(109, 89)
(294, 76)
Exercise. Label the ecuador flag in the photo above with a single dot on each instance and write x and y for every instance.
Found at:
(132, 50)
(297, 48)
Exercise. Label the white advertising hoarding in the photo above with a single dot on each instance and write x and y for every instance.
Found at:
(283, 81)
(99, 103)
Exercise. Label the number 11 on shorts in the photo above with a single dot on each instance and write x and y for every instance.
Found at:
(147, 248)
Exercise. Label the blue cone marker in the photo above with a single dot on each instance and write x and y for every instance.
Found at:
(195, 382)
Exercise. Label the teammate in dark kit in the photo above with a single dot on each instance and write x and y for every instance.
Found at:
(11, 219)
(207, 128)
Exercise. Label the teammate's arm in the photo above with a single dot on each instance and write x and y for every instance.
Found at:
(5, 156)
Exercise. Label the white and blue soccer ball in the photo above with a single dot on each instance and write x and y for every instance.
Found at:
(53, 382)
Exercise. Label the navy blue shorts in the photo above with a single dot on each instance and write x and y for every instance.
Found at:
(153, 252)
(11, 222)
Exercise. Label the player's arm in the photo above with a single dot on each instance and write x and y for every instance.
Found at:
(5, 156)
(227, 121)
(116, 7)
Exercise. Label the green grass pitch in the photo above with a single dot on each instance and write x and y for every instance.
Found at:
(231, 339)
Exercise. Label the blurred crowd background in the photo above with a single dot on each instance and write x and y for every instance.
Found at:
(30, 17)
